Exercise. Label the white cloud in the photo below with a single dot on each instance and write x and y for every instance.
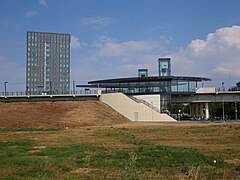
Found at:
(75, 42)
(218, 54)
(97, 22)
(42, 2)
(217, 57)
(220, 69)
(197, 47)
(30, 13)
(109, 48)
(110, 58)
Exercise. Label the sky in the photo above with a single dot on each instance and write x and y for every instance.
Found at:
(113, 38)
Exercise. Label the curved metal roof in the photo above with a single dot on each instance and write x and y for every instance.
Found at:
(149, 79)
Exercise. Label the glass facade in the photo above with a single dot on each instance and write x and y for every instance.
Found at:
(48, 63)
(154, 87)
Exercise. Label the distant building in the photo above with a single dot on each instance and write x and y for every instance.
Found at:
(48, 63)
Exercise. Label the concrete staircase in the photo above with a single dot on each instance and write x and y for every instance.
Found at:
(135, 110)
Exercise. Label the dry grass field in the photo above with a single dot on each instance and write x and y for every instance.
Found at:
(58, 115)
(101, 144)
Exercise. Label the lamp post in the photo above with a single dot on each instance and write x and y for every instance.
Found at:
(27, 90)
(5, 88)
(223, 86)
(236, 111)
(50, 89)
(179, 114)
(73, 87)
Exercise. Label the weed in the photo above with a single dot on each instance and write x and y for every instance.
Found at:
(130, 170)
(43, 168)
(65, 168)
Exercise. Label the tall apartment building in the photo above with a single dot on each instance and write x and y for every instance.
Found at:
(48, 63)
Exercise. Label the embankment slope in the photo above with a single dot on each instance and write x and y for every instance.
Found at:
(58, 115)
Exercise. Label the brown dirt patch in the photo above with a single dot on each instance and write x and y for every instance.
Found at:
(58, 115)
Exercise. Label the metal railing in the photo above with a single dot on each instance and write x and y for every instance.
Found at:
(24, 93)
(223, 89)
(145, 102)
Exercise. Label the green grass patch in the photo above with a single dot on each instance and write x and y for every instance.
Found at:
(16, 154)
(109, 159)
(11, 150)
(63, 159)
(32, 162)
(178, 157)
(155, 157)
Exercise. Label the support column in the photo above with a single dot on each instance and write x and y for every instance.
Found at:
(196, 110)
(206, 111)
(191, 109)
(201, 110)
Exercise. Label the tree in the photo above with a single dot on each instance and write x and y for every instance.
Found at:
(238, 84)
(236, 88)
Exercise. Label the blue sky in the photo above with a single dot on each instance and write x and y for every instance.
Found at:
(113, 38)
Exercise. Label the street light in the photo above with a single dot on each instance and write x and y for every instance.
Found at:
(236, 111)
(223, 86)
(73, 87)
(27, 90)
(5, 88)
(179, 114)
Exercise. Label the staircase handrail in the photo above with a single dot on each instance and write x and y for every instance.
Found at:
(145, 102)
